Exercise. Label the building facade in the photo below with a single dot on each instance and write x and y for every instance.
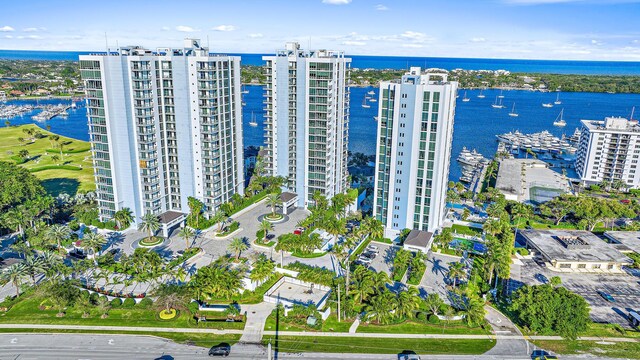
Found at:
(609, 151)
(307, 120)
(164, 125)
(415, 129)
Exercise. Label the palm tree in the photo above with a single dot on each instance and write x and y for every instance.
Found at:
(408, 302)
(53, 265)
(265, 226)
(433, 303)
(262, 269)
(24, 154)
(16, 218)
(373, 227)
(103, 305)
(456, 271)
(55, 159)
(186, 233)
(273, 200)
(14, 274)
(149, 223)
(93, 241)
(237, 246)
(33, 266)
(123, 217)
(56, 233)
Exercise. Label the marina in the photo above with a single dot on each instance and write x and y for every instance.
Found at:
(540, 142)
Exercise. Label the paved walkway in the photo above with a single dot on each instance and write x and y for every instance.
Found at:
(509, 339)
(256, 318)
(354, 327)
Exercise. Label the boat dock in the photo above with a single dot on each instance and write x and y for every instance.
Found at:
(541, 142)
(50, 111)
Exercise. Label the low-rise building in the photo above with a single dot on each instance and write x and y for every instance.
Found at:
(530, 181)
(418, 240)
(625, 241)
(575, 251)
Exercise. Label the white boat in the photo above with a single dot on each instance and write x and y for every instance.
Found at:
(371, 92)
(500, 96)
(364, 103)
(375, 118)
(373, 99)
(481, 95)
(253, 122)
(513, 112)
(559, 120)
(547, 105)
(497, 104)
(558, 102)
(73, 105)
(465, 98)
(244, 90)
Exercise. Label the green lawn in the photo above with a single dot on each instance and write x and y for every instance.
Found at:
(27, 312)
(378, 345)
(623, 350)
(56, 177)
(609, 330)
(466, 230)
(198, 339)
(329, 325)
(251, 297)
(412, 327)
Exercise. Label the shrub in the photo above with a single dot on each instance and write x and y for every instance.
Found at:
(128, 302)
(94, 297)
(116, 302)
(146, 303)
(422, 316)
(86, 230)
(193, 307)
(522, 251)
(433, 319)
(74, 226)
(110, 225)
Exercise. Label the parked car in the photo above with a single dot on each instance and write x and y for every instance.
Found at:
(408, 355)
(542, 355)
(364, 260)
(606, 296)
(372, 248)
(369, 255)
(270, 236)
(543, 279)
(222, 349)
(298, 231)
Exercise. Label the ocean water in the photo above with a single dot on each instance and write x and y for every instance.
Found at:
(403, 62)
(476, 122)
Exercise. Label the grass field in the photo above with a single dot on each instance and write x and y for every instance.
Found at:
(378, 346)
(204, 339)
(412, 327)
(329, 325)
(27, 311)
(72, 173)
(624, 350)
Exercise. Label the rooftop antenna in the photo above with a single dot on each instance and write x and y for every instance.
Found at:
(106, 42)
(117, 46)
(208, 48)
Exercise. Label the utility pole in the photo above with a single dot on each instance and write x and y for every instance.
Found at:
(338, 302)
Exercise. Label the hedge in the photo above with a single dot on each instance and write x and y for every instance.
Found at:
(76, 151)
(55, 167)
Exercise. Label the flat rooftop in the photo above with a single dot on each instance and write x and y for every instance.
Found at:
(612, 124)
(298, 294)
(630, 240)
(530, 180)
(573, 246)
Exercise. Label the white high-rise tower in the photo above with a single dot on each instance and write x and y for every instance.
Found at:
(307, 120)
(415, 130)
(164, 125)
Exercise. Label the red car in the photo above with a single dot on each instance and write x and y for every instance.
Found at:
(298, 231)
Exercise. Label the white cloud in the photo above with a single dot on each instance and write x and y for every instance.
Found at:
(416, 36)
(545, 2)
(7, 28)
(354, 43)
(381, 7)
(255, 36)
(336, 2)
(596, 42)
(8, 36)
(183, 28)
(478, 39)
(31, 29)
(224, 28)
(415, 46)
(165, 28)
(29, 37)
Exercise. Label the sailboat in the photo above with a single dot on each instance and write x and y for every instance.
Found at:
(371, 92)
(364, 103)
(253, 122)
(244, 90)
(497, 104)
(513, 112)
(559, 120)
(465, 98)
(558, 102)
(481, 95)
(501, 96)
(547, 105)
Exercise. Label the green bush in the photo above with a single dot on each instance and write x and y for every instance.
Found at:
(55, 167)
(193, 307)
(116, 303)
(433, 319)
(146, 303)
(74, 226)
(94, 297)
(128, 303)
(522, 251)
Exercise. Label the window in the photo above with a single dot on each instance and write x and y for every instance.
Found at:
(565, 266)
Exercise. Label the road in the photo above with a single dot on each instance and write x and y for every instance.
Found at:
(98, 347)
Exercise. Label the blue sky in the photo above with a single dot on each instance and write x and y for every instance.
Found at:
(522, 29)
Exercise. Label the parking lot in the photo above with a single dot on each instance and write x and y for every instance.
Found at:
(383, 262)
(625, 289)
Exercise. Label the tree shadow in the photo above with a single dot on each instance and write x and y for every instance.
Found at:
(437, 266)
(57, 186)
(113, 239)
(390, 255)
